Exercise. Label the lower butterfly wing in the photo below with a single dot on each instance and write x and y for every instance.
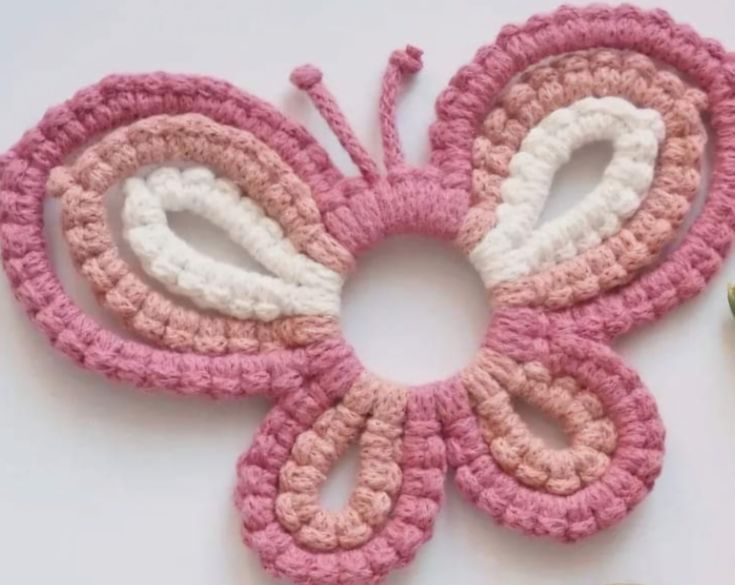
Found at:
(615, 437)
(391, 510)
(274, 175)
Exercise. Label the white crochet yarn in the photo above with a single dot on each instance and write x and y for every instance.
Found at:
(300, 286)
(513, 248)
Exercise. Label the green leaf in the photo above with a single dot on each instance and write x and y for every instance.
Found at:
(731, 297)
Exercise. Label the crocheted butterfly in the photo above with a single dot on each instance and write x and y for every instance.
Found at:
(562, 291)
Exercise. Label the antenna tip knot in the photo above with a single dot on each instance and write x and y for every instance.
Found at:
(407, 60)
(305, 77)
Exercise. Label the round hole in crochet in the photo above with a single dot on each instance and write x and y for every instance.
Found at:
(578, 177)
(415, 310)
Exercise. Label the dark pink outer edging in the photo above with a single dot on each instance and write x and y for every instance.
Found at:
(474, 89)
(116, 101)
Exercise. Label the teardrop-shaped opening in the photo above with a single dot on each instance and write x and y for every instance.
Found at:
(211, 241)
(301, 287)
(335, 492)
(576, 178)
(197, 232)
(542, 425)
(363, 432)
(203, 235)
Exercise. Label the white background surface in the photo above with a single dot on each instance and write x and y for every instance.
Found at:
(102, 484)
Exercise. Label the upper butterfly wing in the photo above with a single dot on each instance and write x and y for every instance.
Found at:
(153, 119)
(654, 121)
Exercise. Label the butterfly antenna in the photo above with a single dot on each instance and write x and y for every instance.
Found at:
(309, 79)
(401, 64)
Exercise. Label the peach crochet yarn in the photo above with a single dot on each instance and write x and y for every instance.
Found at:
(562, 291)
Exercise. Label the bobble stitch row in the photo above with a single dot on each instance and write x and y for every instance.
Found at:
(155, 140)
(471, 94)
(491, 386)
(555, 84)
(513, 248)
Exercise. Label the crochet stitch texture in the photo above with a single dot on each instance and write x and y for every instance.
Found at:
(562, 291)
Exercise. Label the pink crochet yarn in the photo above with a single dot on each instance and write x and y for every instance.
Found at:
(574, 285)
